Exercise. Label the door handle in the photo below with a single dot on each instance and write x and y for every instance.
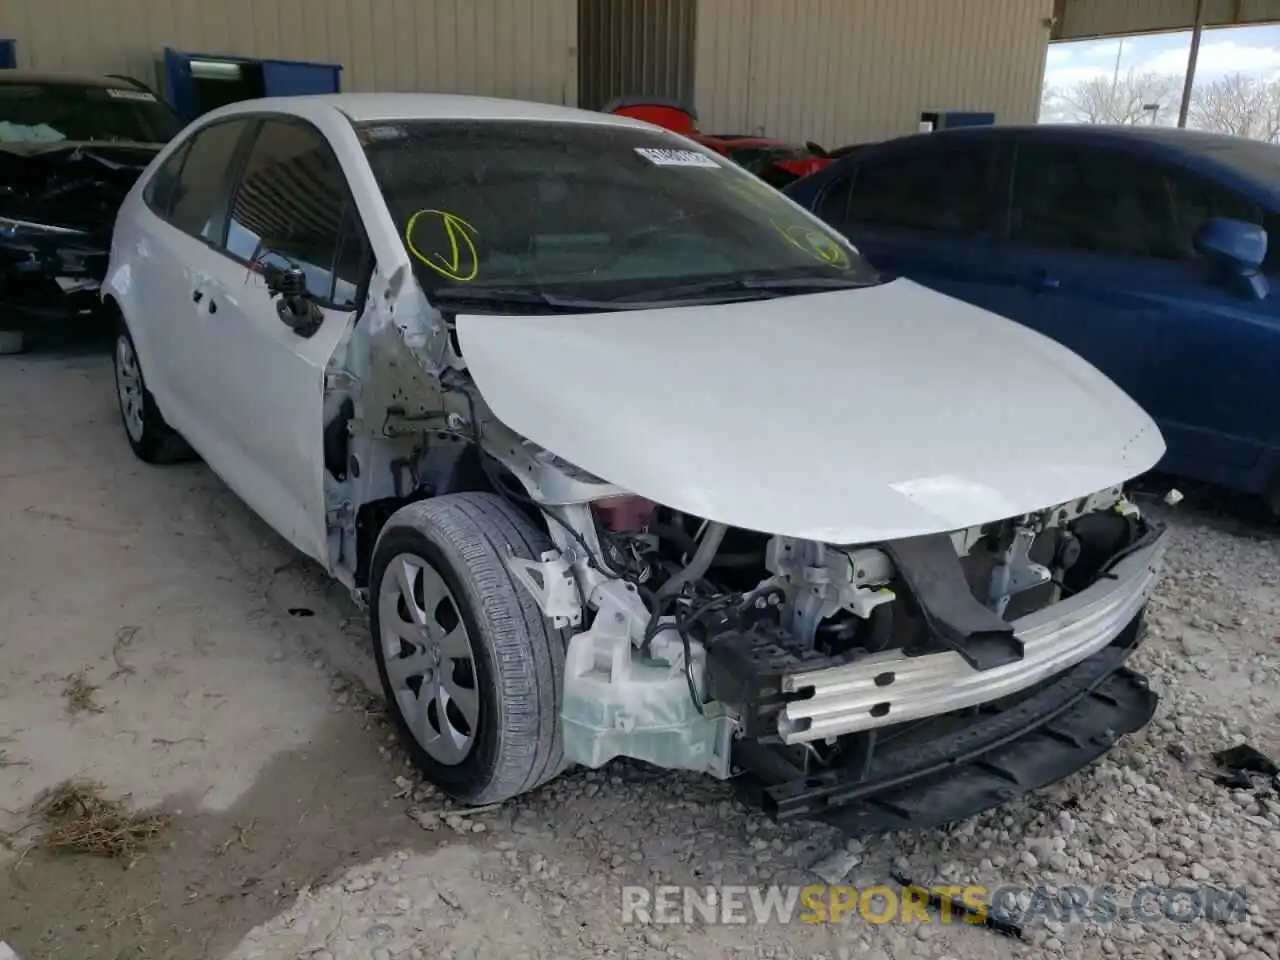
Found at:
(198, 295)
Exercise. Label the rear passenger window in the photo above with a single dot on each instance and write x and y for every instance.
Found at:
(947, 189)
(197, 202)
(291, 209)
(1093, 200)
(163, 188)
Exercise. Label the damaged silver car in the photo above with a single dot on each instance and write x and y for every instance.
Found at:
(628, 456)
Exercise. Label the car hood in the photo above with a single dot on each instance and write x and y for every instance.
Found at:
(846, 417)
(69, 184)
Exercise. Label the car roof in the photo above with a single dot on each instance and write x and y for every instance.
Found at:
(15, 77)
(365, 107)
(1175, 137)
(1255, 160)
(1220, 147)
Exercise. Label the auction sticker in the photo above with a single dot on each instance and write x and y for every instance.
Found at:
(663, 157)
(141, 95)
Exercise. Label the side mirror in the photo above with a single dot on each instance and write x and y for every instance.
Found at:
(1237, 248)
(295, 308)
(285, 281)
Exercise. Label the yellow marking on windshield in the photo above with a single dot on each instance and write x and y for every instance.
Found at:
(817, 244)
(463, 262)
(805, 238)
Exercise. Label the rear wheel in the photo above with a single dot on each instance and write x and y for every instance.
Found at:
(471, 669)
(151, 439)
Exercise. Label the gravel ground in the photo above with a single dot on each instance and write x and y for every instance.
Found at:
(244, 717)
(541, 877)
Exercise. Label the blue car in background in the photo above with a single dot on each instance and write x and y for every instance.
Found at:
(1142, 249)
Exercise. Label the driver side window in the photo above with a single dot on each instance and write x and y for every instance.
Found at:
(292, 208)
(1197, 199)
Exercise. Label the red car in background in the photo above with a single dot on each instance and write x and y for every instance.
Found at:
(776, 162)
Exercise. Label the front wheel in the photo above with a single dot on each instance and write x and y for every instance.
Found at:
(471, 669)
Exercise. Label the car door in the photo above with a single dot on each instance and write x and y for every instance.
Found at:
(1105, 267)
(1233, 342)
(929, 211)
(290, 207)
(175, 249)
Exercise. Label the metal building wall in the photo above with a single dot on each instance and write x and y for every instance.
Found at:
(516, 48)
(1086, 19)
(845, 71)
(635, 47)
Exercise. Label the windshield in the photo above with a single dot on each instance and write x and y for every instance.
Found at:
(49, 113)
(591, 211)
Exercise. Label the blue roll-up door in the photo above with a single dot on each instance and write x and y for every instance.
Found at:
(8, 54)
(191, 88)
(284, 78)
(179, 86)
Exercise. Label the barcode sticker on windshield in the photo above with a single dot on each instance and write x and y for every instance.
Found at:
(131, 95)
(663, 157)
(384, 132)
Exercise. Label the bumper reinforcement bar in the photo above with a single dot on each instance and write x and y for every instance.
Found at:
(889, 688)
(1051, 734)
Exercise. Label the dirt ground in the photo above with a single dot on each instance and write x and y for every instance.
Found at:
(157, 638)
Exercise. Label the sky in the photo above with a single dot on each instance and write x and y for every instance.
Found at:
(1250, 50)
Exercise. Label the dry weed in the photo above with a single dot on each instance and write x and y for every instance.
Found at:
(77, 819)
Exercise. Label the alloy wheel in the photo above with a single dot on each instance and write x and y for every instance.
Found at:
(429, 659)
(129, 386)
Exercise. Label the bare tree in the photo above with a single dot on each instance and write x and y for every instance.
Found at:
(1124, 99)
(1240, 105)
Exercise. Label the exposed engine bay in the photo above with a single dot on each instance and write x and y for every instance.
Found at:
(695, 645)
(742, 627)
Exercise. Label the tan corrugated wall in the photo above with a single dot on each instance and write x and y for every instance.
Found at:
(515, 48)
(1082, 19)
(835, 71)
(842, 71)
(628, 47)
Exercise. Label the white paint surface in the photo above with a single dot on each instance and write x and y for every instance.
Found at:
(845, 417)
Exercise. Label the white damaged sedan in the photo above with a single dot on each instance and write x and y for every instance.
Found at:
(628, 456)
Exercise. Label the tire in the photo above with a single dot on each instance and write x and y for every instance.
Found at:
(512, 741)
(1271, 499)
(11, 342)
(151, 439)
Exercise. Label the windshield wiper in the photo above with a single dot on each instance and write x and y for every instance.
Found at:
(749, 286)
(503, 297)
(736, 288)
